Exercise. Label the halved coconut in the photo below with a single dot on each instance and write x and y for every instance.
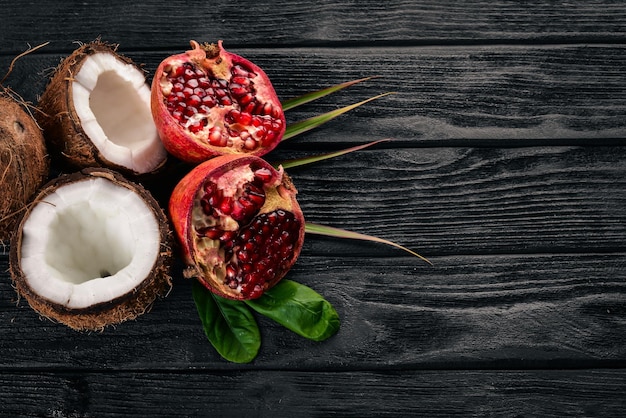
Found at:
(94, 250)
(24, 164)
(96, 112)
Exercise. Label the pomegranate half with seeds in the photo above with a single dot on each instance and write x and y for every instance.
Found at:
(239, 225)
(208, 102)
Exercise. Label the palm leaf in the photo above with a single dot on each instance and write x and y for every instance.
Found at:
(313, 228)
(309, 97)
(313, 159)
(306, 125)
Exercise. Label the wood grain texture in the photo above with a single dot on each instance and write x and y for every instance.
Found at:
(346, 394)
(465, 312)
(478, 200)
(507, 169)
(481, 95)
(158, 25)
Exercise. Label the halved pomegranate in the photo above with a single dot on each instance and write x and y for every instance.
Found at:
(208, 102)
(239, 225)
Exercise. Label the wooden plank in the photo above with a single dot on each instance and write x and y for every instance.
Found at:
(465, 312)
(478, 95)
(523, 312)
(497, 95)
(267, 393)
(158, 25)
(473, 200)
(469, 200)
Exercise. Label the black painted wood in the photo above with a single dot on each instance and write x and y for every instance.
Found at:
(478, 311)
(552, 393)
(507, 169)
(502, 96)
(161, 25)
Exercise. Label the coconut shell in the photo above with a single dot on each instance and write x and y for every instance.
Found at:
(69, 145)
(24, 164)
(123, 308)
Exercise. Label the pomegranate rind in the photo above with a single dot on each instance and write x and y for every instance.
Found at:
(281, 196)
(193, 148)
(70, 146)
(24, 163)
(115, 311)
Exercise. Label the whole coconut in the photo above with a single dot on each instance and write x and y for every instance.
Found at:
(24, 164)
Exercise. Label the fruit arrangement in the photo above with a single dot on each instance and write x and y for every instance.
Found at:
(94, 248)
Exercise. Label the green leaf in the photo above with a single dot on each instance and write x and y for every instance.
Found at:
(298, 308)
(229, 325)
(309, 97)
(308, 160)
(342, 233)
(306, 125)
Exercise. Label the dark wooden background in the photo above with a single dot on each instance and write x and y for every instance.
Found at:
(507, 170)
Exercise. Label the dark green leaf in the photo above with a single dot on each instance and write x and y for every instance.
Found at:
(298, 308)
(229, 325)
(314, 95)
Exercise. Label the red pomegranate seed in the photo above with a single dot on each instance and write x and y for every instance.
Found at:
(190, 111)
(245, 119)
(194, 100)
(238, 212)
(256, 196)
(238, 90)
(213, 233)
(243, 256)
(216, 198)
(238, 70)
(268, 138)
(241, 80)
(197, 126)
(216, 138)
(250, 107)
(209, 101)
(227, 236)
(267, 109)
(226, 206)
(263, 175)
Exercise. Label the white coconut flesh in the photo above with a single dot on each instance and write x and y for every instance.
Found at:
(112, 101)
(89, 242)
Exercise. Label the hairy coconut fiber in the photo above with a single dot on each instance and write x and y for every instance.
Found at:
(70, 144)
(24, 164)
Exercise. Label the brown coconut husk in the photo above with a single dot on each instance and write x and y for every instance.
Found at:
(70, 147)
(24, 163)
(123, 308)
